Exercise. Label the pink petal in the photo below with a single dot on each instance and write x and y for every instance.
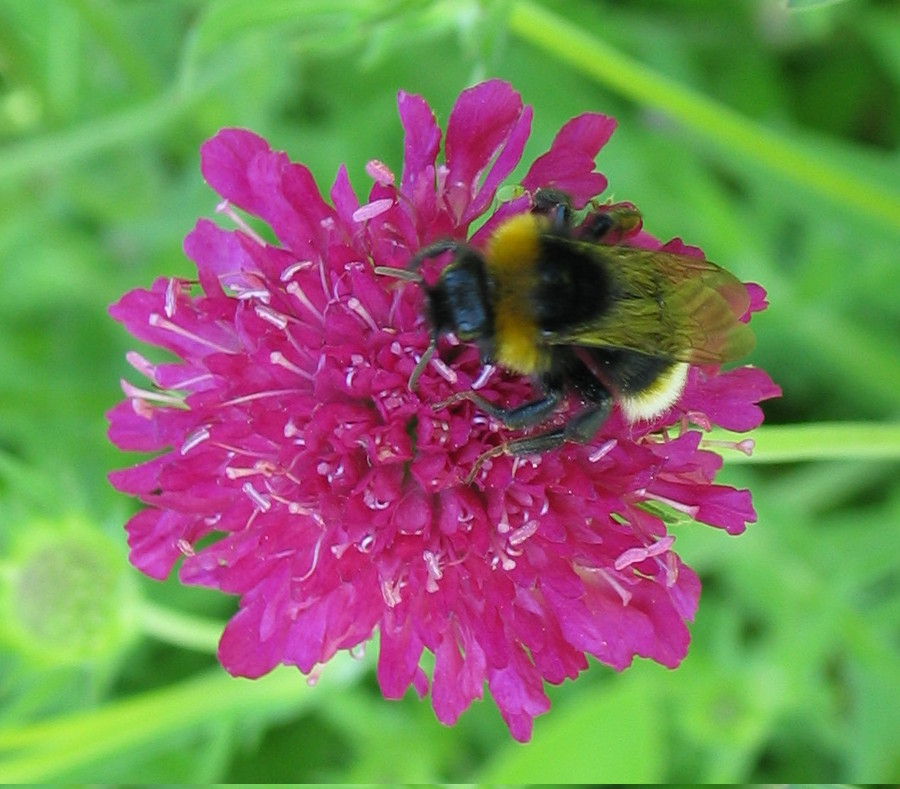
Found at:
(484, 119)
(569, 164)
(242, 168)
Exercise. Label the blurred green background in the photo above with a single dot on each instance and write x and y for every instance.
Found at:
(766, 132)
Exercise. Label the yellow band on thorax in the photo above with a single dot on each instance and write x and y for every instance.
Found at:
(511, 258)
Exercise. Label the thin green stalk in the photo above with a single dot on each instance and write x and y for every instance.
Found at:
(52, 749)
(707, 118)
(183, 630)
(820, 441)
(58, 149)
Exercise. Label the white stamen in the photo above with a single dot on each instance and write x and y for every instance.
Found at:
(637, 555)
(746, 446)
(225, 209)
(260, 294)
(339, 550)
(379, 172)
(295, 290)
(372, 502)
(444, 371)
(391, 593)
(356, 306)
(269, 315)
(258, 396)
(233, 472)
(279, 359)
(522, 533)
(690, 510)
(171, 296)
(292, 429)
(370, 210)
(142, 365)
(315, 561)
(262, 502)
(486, 372)
(367, 543)
(197, 437)
(156, 320)
(434, 571)
(602, 451)
(300, 265)
(188, 383)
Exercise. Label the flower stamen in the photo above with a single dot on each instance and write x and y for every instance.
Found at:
(297, 292)
(158, 321)
(225, 209)
(194, 439)
(277, 319)
(262, 502)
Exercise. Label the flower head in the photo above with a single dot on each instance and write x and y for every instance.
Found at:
(333, 500)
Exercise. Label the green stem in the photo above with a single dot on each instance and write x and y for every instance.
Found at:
(52, 749)
(707, 118)
(821, 441)
(179, 629)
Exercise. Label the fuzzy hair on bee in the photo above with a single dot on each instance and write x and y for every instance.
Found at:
(570, 304)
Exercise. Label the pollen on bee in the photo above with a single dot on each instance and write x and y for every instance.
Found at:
(514, 244)
(510, 256)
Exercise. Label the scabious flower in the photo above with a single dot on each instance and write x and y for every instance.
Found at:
(297, 470)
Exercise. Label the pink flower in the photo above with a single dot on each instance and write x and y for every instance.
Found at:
(297, 470)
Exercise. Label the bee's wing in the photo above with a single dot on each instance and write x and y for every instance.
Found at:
(665, 305)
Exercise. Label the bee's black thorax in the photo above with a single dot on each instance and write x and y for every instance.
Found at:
(570, 288)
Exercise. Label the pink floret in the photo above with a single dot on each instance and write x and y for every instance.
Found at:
(297, 470)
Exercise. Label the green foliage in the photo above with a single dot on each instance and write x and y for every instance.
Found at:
(766, 132)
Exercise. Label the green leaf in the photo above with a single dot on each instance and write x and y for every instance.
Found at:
(611, 733)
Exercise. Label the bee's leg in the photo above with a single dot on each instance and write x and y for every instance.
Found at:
(580, 428)
(554, 204)
(610, 225)
(525, 415)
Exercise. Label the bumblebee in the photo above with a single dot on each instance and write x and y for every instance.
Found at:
(567, 303)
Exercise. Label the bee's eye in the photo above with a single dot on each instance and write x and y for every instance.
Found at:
(470, 319)
(464, 289)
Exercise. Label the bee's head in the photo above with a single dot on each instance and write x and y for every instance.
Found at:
(460, 301)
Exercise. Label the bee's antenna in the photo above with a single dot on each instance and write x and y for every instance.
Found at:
(423, 363)
(411, 274)
(432, 251)
(399, 273)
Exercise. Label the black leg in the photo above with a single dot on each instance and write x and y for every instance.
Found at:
(526, 415)
(556, 205)
(611, 225)
(581, 428)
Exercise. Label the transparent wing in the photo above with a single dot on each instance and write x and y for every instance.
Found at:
(671, 306)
